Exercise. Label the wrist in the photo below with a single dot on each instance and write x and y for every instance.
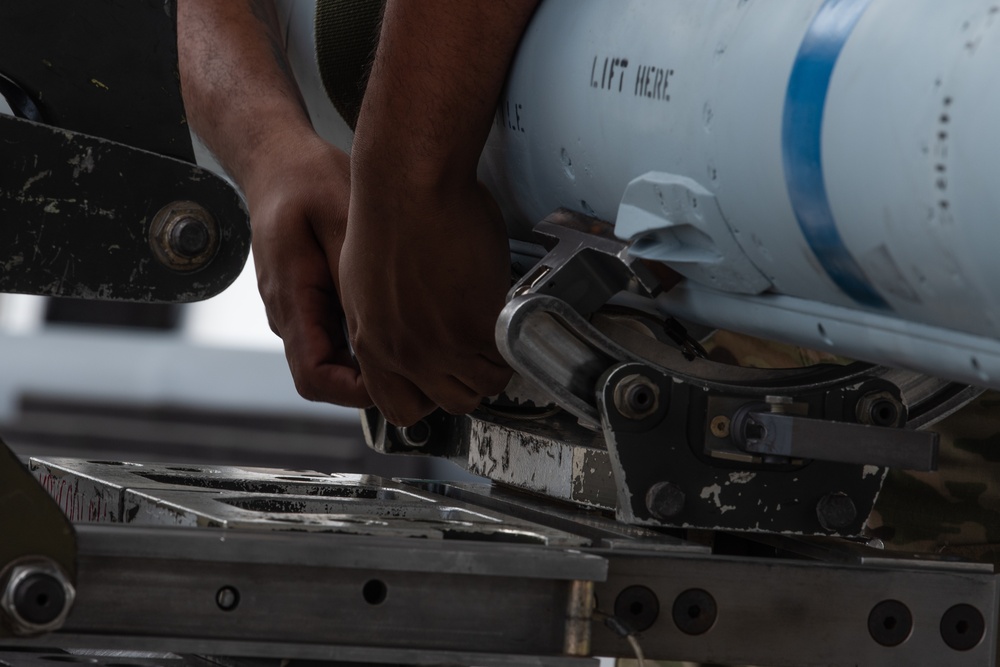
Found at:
(391, 166)
(280, 151)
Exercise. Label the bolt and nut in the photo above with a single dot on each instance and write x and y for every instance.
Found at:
(184, 236)
(36, 597)
(880, 408)
(417, 435)
(637, 397)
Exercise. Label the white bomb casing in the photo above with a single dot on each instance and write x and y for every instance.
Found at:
(821, 171)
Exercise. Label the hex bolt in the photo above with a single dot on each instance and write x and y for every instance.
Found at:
(637, 397)
(417, 435)
(836, 511)
(36, 597)
(880, 408)
(189, 237)
(184, 236)
(890, 623)
(665, 500)
(227, 598)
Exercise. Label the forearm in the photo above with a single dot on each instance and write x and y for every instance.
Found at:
(238, 90)
(435, 84)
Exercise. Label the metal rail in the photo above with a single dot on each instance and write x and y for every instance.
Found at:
(477, 575)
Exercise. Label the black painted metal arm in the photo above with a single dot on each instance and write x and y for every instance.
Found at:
(100, 199)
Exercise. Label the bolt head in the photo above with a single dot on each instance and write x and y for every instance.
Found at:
(227, 598)
(417, 435)
(665, 500)
(719, 426)
(184, 236)
(880, 408)
(36, 598)
(637, 397)
(836, 511)
(39, 598)
(189, 237)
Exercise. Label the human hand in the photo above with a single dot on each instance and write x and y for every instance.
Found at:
(298, 200)
(423, 278)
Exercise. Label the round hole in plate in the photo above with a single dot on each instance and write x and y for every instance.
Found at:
(375, 591)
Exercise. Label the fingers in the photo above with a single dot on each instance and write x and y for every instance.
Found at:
(487, 377)
(320, 371)
(403, 401)
(452, 395)
(308, 321)
(398, 399)
(329, 383)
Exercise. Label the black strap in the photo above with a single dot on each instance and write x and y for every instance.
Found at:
(347, 33)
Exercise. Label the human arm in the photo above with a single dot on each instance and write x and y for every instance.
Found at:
(242, 101)
(426, 265)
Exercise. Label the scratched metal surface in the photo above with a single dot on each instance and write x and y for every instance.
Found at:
(241, 498)
(555, 457)
(75, 213)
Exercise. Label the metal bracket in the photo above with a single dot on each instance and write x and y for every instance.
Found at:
(77, 219)
(654, 427)
(585, 265)
(91, 206)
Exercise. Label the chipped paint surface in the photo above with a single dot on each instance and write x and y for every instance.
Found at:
(82, 163)
(714, 493)
(34, 179)
(542, 463)
(531, 462)
(741, 477)
(78, 224)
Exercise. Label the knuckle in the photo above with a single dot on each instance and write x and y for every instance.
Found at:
(403, 409)
(305, 387)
